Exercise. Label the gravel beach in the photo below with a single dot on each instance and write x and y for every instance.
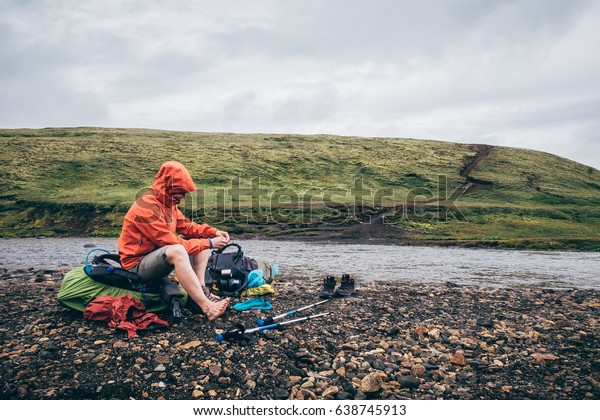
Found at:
(388, 341)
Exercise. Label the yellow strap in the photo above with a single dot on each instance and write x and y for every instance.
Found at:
(265, 289)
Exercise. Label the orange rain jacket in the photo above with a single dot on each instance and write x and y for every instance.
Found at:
(153, 222)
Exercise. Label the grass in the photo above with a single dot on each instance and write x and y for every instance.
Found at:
(66, 181)
(531, 177)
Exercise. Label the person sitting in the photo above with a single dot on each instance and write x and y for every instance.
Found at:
(156, 238)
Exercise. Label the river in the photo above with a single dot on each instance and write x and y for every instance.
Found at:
(313, 260)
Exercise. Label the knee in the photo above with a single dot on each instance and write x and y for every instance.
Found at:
(177, 253)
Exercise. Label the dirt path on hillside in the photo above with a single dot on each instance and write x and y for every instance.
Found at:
(473, 184)
(375, 226)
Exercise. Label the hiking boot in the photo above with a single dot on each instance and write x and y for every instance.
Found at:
(328, 287)
(346, 287)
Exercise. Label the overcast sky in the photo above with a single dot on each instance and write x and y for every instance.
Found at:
(515, 73)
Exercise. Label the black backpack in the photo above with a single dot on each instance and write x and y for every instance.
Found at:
(106, 269)
(227, 272)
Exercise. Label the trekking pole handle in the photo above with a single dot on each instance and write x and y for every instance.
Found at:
(267, 321)
(235, 333)
(229, 336)
(241, 332)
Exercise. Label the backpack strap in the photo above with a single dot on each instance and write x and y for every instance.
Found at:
(106, 273)
(119, 277)
(105, 258)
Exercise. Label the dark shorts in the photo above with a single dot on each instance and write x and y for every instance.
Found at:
(154, 266)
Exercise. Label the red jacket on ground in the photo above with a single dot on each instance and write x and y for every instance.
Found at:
(125, 313)
(153, 222)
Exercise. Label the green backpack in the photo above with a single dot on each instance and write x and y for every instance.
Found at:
(104, 276)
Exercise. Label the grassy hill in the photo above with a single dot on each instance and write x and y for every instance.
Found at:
(81, 181)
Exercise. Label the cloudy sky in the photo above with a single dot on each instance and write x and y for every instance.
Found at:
(522, 73)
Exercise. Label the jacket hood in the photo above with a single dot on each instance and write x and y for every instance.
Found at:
(172, 174)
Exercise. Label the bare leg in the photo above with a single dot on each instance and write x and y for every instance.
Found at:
(179, 258)
(200, 262)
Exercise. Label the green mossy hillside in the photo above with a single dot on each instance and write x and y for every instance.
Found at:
(80, 181)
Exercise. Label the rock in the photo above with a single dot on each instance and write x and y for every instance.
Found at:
(434, 333)
(544, 357)
(165, 360)
(430, 366)
(302, 394)
(409, 382)
(540, 346)
(281, 394)
(343, 395)
(371, 383)
(214, 369)
(420, 330)
(379, 365)
(458, 358)
(331, 391)
(351, 366)
(350, 346)
(485, 322)
(418, 370)
(392, 331)
(120, 345)
(360, 396)
(308, 384)
(191, 344)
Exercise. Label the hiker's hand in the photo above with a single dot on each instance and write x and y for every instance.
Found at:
(223, 234)
(219, 242)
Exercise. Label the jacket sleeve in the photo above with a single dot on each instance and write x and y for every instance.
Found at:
(153, 226)
(190, 229)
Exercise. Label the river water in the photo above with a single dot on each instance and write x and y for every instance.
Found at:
(313, 260)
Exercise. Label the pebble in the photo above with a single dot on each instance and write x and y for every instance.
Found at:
(120, 345)
(458, 358)
(214, 369)
(503, 343)
(371, 383)
(409, 382)
(281, 394)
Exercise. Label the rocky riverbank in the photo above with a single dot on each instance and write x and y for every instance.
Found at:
(389, 341)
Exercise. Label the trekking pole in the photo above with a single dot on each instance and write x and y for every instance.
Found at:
(238, 332)
(271, 320)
